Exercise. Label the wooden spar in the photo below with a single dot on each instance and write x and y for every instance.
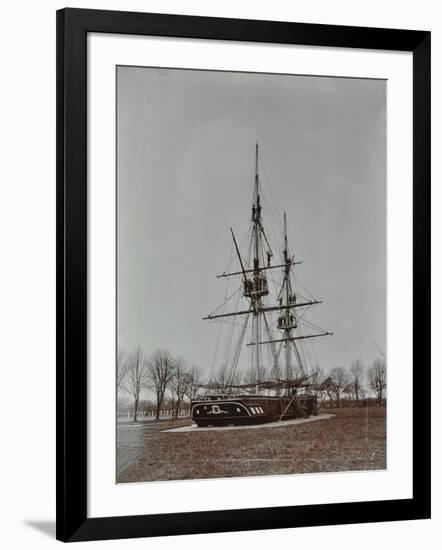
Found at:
(253, 270)
(301, 304)
(239, 256)
(232, 314)
(262, 309)
(292, 338)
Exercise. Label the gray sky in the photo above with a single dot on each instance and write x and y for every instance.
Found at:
(186, 143)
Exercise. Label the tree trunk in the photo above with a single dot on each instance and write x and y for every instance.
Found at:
(177, 406)
(135, 409)
(157, 412)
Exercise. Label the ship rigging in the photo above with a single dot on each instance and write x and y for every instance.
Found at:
(277, 388)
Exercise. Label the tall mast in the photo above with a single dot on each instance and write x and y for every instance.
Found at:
(288, 300)
(286, 248)
(256, 216)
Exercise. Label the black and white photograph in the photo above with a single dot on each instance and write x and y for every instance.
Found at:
(251, 274)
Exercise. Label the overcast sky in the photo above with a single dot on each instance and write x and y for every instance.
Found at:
(186, 145)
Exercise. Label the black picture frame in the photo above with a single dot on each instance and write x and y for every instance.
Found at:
(73, 25)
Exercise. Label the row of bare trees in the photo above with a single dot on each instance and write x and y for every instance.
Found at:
(355, 382)
(163, 373)
(159, 373)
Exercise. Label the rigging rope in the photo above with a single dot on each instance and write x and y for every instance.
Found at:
(276, 369)
(237, 352)
(230, 339)
(271, 239)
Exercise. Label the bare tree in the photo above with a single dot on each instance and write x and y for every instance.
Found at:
(356, 377)
(123, 406)
(194, 382)
(325, 388)
(251, 376)
(316, 375)
(377, 377)
(179, 383)
(223, 379)
(315, 382)
(136, 377)
(235, 380)
(339, 380)
(220, 377)
(121, 368)
(348, 391)
(381, 352)
(161, 368)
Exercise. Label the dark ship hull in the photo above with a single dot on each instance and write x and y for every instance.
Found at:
(249, 410)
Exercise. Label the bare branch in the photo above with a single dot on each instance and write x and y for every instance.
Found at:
(161, 369)
(357, 375)
(135, 378)
(122, 368)
(339, 381)
(377, 377)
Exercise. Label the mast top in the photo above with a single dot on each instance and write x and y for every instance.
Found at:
(286, 247)
(256, 209)
(257, 198)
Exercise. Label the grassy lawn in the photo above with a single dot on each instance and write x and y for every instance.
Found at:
(146, 453)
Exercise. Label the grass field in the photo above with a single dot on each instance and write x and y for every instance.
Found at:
(147, 453)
